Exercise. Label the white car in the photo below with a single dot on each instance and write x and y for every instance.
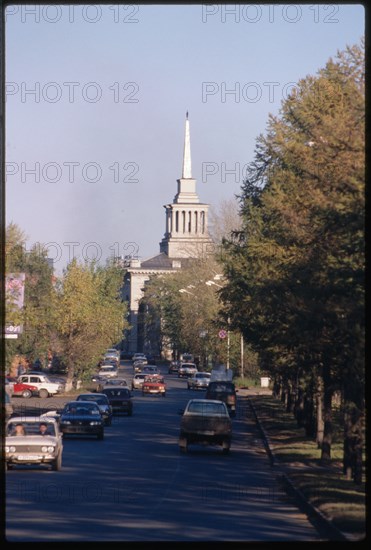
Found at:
(108, 371)
(199, 381)
(33, 440)
(139, 357)
(186, 370)
(137, 381)
(45, 386)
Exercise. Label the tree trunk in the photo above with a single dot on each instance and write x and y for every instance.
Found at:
(276, 388)
(327, 415)
(353, 442)
(308, 414)
(289, 400)
(299, 408)
(319, 407)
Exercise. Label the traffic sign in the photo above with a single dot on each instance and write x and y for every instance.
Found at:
(222, 333)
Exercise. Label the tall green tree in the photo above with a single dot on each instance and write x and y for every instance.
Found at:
(37, 313)
(296, 271)
(90, 315)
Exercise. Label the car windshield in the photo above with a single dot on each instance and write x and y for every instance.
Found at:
(119, 392)
(30, 428)
(82, 409)
(220, 387)
(96, 398)
(207, 409)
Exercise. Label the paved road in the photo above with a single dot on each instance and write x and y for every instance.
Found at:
(136, 486)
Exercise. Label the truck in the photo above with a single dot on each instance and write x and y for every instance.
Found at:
(205, 422)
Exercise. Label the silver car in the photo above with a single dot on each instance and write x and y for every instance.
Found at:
(33, 440)
(108, 372)
(199, 381)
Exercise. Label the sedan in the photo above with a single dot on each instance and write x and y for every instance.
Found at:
(115, 382)
(137, 381)
(33, 441)
(139, 364)
(82, 418)
(108, 371)
(186, 370)
(19, 389)
(103, 403)
(174, 367)
(119, 399)
(154, 384)
(150, 369)
(199, 381)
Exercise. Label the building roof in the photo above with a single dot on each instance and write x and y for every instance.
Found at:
(162, 261)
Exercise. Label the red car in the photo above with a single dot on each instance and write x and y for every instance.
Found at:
(22, 390)
(154, 383)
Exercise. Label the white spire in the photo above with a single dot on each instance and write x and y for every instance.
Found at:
(187, 165)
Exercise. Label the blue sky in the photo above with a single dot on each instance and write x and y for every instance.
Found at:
(96, 98)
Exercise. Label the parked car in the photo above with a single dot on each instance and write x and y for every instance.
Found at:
(24, 390)
(137, 381)
(82, 418)
(199, 381)
(223, 391)
(103, 403)
(45, 386)
(27, 442)
(119, 398)
(174, 367)
(186, 370)
(207, 422)
(154, 383)
(108, 371)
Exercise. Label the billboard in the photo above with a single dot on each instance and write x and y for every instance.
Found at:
(14, 292)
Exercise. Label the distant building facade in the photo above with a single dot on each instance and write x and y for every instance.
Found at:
(186, 236)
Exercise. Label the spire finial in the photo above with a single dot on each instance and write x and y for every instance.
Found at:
(187, 165)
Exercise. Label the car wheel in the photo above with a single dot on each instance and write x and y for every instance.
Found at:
(26, 394)
(57, 464)
(100, 435)
(109, 422)
(43, 394)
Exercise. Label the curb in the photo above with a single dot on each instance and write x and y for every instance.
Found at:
(322, 523)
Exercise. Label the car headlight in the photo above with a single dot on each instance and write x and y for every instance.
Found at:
(49, 449)
(10, 449)
(66, 422)
(95, 423)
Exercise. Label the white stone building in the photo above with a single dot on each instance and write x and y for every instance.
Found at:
(186, 236)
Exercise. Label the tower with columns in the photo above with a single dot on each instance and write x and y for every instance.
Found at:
(186, 232)
(186, 237)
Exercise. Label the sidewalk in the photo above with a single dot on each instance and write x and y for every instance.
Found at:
(285, 471)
